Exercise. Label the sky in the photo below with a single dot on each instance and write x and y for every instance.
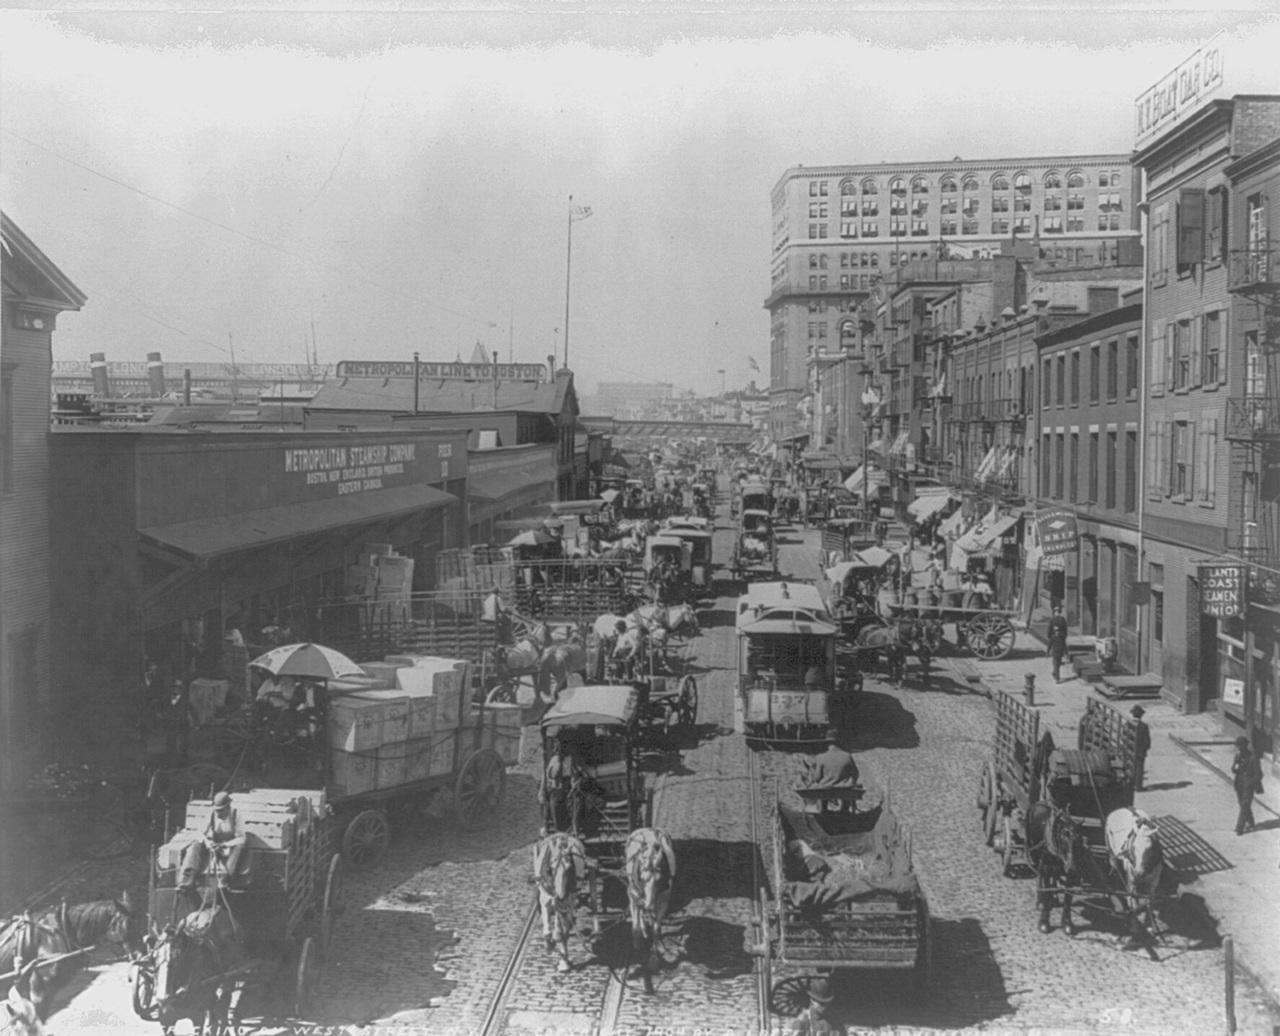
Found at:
(398, 177)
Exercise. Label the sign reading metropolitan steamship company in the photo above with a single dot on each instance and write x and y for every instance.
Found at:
(1180, 92)
(1222, 590)
(442, 371)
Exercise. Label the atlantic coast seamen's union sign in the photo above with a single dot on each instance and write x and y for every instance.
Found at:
(1222, 590)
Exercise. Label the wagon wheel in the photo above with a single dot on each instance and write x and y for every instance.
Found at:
(366, 839)
(332, 905)
(143, 992)
(789, 996)
(304, 987)
(992, 812)
(990, 636)
(688, 704)
(478, 789)
(233, 741)
(1006, 851)
(986, 789)
(501, 693)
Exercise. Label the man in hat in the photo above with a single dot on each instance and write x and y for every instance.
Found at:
(221, 842)
(1246, 778)
(1141, 745)
(833, 768)
(1056, 636)
(813, 1019)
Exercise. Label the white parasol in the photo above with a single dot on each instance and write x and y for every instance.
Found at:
(310, 660)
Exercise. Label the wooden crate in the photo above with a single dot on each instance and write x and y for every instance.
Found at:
(1017, 735)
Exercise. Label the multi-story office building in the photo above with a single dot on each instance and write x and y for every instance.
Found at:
(1198, 319)
(837, 230)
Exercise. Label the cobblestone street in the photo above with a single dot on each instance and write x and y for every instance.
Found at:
(426, 937)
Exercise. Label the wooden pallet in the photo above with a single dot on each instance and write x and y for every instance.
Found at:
(1017, 735)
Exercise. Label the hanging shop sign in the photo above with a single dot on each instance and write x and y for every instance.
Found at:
(1058, 531)
(1222, 590)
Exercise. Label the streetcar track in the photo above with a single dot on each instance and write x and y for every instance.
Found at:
(494, 1019)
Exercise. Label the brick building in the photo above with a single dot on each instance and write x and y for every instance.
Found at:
(35, 293)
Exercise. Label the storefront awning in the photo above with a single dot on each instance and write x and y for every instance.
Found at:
(985, 534)
(899, 444)
(951, 524)
(924, 507)
(227, 534)
(988, 463)
(876, 447)
(874, 479)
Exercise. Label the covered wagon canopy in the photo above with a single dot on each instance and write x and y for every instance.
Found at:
(600, 705)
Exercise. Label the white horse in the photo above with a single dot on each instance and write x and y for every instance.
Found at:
(677, 618)
(650, 865)
(629, 650)
(560, 658)
(1133, 841)
(559, 863)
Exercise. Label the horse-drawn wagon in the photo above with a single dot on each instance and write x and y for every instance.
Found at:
(986, 633)
(790, 686)
(215, 933)
(755, 550)
(844, 893)
(1069, 814)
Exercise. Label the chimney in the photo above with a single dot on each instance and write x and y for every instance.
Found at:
(186, 387)
(155, 375)
(551, 366)
(98, 371)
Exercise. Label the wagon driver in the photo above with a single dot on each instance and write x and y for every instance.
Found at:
(220, 843)
(834, 767)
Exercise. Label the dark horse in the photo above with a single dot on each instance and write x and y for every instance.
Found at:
(895, 640)
(1057, 850)
(188, 972)
(64, 929)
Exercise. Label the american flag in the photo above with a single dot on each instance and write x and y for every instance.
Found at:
(579, 212)
(751, 362)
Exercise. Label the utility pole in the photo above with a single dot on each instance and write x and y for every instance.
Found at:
(235, 385)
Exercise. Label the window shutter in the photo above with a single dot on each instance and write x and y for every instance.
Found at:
(1224, 327)
(1152, 459)
(1156, 372)
(1210, 460)
(1191, 460)
(1167, 456)
(1190, 227)
(1195, 331)
(1170, 338)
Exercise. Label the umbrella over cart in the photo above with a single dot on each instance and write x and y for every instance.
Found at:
(530, 538)
(307, 660)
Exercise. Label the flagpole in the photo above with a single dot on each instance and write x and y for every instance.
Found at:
(568, 269)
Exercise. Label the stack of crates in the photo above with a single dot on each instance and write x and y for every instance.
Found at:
(383, 579)
(414, 725)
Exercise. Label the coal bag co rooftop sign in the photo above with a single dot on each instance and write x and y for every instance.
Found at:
(1176, 95)
(1222, 590)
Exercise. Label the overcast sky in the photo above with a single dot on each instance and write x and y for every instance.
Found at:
(401, 178)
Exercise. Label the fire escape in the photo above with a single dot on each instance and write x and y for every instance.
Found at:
(1253, 419)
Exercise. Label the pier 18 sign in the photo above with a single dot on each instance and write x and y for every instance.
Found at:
(442, 371)
(1222, 590)
(1180, 92)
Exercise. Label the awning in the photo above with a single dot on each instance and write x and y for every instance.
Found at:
(214, 537)
(874, 479)
(982, 536)
(923, 507)
(1006, 463)
(951, 524)
(496, 485)
(899, 444)
(876, 447)
(988, 462)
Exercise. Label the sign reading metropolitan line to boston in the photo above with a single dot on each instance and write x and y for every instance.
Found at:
(441, 371)
(1177, 94)
(1222, 590)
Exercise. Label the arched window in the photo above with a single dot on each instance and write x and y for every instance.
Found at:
(948, 185)
(1000, 182)
(897, 185)
(1052, 180)
(1022, 182)
(869, 186)
(919, 185)
(970, 183)
(1075, 179)
(848, 187)
(848, 334)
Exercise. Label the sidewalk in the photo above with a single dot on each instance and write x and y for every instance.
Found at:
(1188, 788)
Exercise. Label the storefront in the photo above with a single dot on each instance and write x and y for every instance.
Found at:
(201, 542)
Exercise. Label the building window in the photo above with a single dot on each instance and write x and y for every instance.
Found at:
(6, 431)
(897, 206)
(1093, 468)
(1255, 242)
(1113, 369)
(897, 228)
(1046, 470)
(1073, 467)
(1075, 202)
(1075, 378)
(1000, 204)
(1022, 183)
(1052, 225)
(1022, 224)
(870, 208)
(968, 226)
(999, 226)
(848, 228)
(1061, 396)
(1000, 182)
(870, 228)
(919, 227)
(1059, 448)
(949, 206)
(1112, 445)
(1157, 611)
(1075, 179)
(848, 187)
(1131, 367)
(1206, 488)
(1159, 245)
(898, 186)
(813, 231)
(848, 206)
(970, 183)
(817, 188)
(948, 226)
(1052, 181)
(869, 187)
(1131, 471)
(948, 185)
(1215, 226)
(1046, 386)
(1214, 370)
(1190, 235)
(1053, 203)
(1022, 203)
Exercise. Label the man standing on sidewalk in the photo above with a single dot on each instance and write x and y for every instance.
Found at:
(1141, 746)
(1246, 778)
(1057, 637)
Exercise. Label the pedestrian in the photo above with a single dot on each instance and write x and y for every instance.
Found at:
(1141, 745)
(1246, 778)
(177, 721)
(1056, 635)
(813, 1019)
(561, 790)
